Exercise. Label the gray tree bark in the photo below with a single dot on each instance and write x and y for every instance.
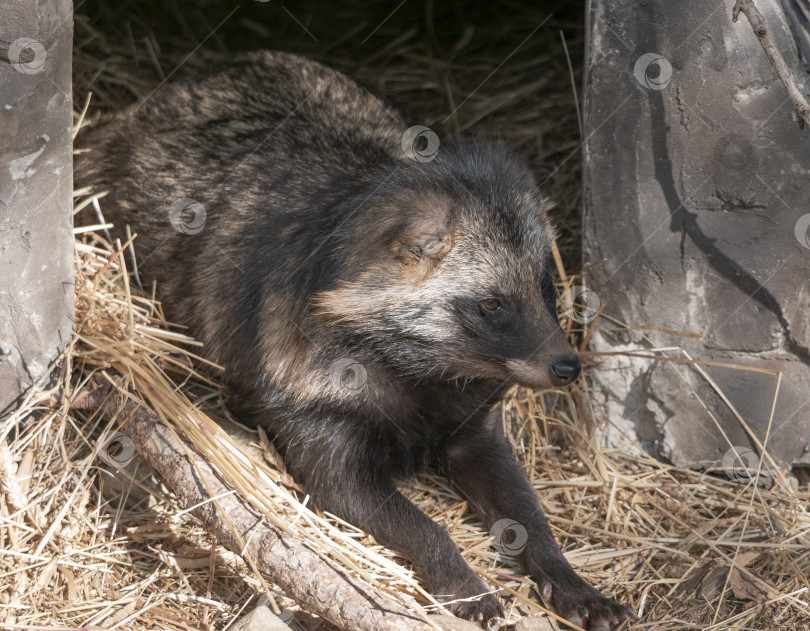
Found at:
(696, 178)
(36, 183)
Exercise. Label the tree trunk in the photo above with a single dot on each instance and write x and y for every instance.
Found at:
(696, 177)
(36, 183)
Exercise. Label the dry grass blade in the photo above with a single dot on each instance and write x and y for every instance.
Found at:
(665, 540)
(84, 545)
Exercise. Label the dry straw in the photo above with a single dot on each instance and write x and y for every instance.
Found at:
(656, 537)
(83, 549)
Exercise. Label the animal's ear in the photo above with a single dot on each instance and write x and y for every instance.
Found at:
(425, 237)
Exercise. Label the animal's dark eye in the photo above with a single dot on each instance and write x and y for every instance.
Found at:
(491, 304)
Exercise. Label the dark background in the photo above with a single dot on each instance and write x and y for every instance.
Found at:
(462, 68)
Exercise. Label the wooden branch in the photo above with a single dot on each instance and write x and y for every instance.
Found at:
(784, 73)
(307, 578)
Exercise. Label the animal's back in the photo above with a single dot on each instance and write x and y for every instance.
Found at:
(252, 141)
(260, 122)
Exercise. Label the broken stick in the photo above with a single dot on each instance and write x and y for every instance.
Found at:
(784, 73)
(302, 574)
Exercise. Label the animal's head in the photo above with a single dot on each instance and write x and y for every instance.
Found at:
(447, 272)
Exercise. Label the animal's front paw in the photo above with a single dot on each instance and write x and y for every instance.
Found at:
(582, 605)
(484, 611)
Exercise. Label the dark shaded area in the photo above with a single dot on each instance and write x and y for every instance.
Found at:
(461, 68)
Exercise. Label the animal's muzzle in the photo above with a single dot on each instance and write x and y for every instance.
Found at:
(564, 371)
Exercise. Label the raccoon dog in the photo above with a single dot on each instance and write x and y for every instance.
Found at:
(370, 300)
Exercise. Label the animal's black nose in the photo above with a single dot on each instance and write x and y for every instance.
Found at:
(565, 371)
